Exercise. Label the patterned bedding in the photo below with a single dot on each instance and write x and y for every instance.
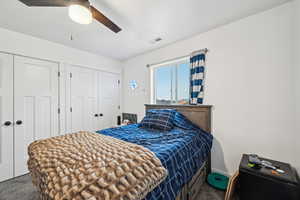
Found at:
(182, 152)
(90, 166)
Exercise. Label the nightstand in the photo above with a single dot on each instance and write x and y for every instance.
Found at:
(263, 184)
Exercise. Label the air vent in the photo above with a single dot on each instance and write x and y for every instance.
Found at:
(156, 40)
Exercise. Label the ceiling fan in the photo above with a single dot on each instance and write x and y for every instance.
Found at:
(80, 11)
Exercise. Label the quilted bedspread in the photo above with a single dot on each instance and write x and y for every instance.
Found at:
(91, 166)
(182, 152)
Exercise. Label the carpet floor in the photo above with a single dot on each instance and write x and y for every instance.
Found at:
(21, 188)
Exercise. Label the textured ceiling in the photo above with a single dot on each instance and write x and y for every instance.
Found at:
(141, 20)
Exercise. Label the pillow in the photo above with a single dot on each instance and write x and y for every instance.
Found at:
(159, 119)
(182, 122)
(161, 110)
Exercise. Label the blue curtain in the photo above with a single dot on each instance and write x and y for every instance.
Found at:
(197, 67)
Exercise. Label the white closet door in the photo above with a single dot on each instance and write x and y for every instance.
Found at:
(109, 99)
(83, 99)
(64, 82)
(36, 105)
(6, 117)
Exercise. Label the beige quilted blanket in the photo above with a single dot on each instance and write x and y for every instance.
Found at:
(92, 166)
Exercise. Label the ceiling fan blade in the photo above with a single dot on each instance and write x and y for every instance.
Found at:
(104, 20)
(52, 3)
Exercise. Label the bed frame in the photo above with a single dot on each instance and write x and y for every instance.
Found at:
(200, 115)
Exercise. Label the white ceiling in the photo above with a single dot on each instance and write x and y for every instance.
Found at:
(141, 20)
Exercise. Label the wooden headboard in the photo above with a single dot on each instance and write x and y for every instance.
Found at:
(200, 115)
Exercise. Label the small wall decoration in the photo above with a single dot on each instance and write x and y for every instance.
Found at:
(133, 84)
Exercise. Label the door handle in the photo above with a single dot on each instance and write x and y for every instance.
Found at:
(7, 123)
(19, 122)
(96, 115)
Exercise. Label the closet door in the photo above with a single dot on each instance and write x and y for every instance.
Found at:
(6, 117)
(36, 105)
(83, 99)
(109, 99)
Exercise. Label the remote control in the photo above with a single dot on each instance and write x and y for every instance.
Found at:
(268, 165)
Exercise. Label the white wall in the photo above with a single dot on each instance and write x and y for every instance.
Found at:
(249, 83)
(296, 54)
(18, 43)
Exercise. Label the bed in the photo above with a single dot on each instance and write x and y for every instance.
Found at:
(184, 153)
(128, 162)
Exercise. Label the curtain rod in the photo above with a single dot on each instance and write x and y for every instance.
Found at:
(178, 58)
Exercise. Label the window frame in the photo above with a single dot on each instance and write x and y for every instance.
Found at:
(174, 75)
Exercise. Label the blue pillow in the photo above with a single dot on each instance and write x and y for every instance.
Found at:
(182, 122)
(159, 119)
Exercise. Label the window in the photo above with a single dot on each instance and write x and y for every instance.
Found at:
(170, 83)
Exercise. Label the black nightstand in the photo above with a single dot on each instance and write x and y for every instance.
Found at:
(262, 184)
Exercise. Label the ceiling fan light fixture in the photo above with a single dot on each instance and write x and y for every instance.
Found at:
(80, 14)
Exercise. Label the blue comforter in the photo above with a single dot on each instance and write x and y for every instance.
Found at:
(182, 152)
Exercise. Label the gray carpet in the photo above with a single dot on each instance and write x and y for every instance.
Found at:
(21, 188)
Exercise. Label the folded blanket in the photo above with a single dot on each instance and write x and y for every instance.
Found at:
(92, 166)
